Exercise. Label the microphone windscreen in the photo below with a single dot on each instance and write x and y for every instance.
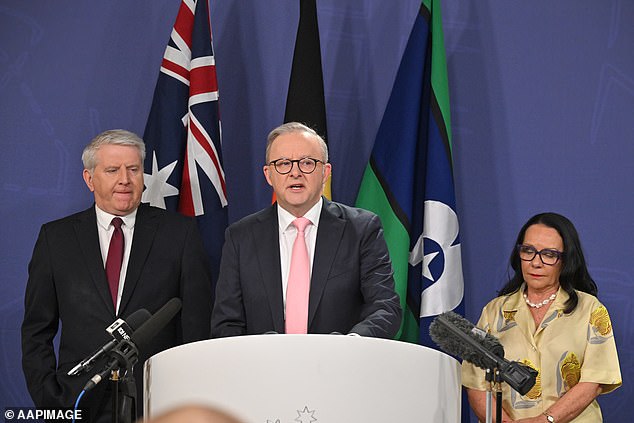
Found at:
(488, 341)
(458, 342)
(447, 340)
(136, 319)
(457, 336)
(148, 330)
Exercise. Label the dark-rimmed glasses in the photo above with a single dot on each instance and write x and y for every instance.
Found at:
(548, 256)
(306, 165)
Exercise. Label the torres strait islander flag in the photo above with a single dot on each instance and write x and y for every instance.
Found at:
(409, 181)
(183, 164)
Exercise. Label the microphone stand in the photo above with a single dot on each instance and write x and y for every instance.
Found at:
(124, 358)
(497, 380)
(489, 378)
(124, 396)
(494, 383)
(114, 383)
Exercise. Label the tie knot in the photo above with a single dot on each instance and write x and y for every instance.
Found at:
(300, 223)
(117, 222)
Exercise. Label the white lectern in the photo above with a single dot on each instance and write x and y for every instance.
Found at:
(307, 378)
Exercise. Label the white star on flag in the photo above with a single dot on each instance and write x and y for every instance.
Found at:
(156, 186)
(426, 262)
(417, 255)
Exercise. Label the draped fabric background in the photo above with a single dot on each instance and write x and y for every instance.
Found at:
(542, 97)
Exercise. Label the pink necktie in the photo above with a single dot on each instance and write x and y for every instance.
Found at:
(298, 282)
(114, 260)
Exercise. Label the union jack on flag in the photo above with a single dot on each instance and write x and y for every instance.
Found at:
(183, 136)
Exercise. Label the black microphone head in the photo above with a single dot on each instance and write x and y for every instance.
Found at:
(144, 334)
(122, 329)
(136, 319)
(451, 343)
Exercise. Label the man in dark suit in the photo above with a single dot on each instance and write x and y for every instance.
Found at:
(162, 257)
(351, 287)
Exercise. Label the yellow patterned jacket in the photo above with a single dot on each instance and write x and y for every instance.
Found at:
(565, 349)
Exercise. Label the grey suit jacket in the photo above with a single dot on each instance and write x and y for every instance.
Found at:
(351, 290)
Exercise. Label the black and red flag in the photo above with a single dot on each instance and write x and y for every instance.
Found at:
(183, 166)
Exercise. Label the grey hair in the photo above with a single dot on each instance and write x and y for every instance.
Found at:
(110, 137)
(291, 127)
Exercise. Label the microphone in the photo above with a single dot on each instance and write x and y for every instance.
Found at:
(158, 321)
(126, 352)
(457, 336)
(119, 330)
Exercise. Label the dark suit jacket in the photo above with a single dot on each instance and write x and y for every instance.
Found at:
(67, 284)
(351, 289)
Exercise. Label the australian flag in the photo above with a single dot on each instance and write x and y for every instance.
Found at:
(183, 165)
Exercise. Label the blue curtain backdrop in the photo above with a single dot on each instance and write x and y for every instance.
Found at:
(542, 98)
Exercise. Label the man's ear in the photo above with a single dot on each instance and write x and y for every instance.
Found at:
(326, 172)
(88, 180)
(266, 169)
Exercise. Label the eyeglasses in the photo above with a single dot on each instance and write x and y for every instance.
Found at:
(548, 256)
(306, 165)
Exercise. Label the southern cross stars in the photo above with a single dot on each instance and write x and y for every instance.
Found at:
(156, 186)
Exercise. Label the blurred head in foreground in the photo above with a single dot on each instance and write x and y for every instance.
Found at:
(194, 414)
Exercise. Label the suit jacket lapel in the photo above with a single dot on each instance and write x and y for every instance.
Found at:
(145, 228)
(88, 236)
(267, 248)
(329, 233)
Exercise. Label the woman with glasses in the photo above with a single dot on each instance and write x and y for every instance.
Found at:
(549, 318)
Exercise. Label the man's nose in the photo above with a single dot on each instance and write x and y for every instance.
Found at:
(124, 177)
(295, 172)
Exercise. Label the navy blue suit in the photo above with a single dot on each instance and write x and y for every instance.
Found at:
(351, 289)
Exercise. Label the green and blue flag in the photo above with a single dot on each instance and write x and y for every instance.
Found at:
(409, 182)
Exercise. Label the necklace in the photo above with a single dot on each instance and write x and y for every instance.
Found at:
(541, 303)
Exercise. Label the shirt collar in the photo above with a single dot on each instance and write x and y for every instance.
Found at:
(285, 218)
(104, 218)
